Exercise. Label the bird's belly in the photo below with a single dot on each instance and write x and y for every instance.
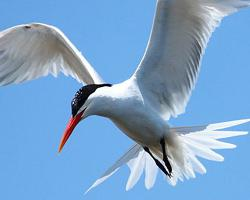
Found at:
(144, 129)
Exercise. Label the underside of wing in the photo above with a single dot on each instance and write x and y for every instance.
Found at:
(181, 30)
(30, 51)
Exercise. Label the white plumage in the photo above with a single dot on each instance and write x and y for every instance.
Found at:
(196, 142)
(140, 106)
(34, 50)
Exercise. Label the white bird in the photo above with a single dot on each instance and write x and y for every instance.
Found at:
(140, 106)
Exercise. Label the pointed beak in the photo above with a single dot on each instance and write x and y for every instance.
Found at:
(69, 129)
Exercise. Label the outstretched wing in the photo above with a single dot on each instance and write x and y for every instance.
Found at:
(30, 51)
(181, 30)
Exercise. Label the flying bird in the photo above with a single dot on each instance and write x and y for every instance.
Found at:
(141, 105)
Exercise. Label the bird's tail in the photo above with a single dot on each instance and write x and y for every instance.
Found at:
(183, 146)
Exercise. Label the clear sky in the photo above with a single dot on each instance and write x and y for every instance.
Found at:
(112, 34)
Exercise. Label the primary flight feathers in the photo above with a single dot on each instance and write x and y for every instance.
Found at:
(30, 51)
(140, 106)
(167, 72)
(180, 33)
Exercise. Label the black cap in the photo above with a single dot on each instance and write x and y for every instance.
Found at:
(83, 94)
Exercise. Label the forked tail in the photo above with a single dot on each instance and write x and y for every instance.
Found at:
(185, 145)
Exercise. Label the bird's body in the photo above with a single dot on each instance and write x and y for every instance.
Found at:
(124, 104)
(142, 105)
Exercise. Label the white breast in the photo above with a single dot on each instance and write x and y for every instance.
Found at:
(126, 107)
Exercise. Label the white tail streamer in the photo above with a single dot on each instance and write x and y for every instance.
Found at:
(189, 143)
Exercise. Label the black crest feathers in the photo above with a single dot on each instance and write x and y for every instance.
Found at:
(82, 95)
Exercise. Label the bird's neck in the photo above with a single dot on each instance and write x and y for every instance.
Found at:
(108, 101)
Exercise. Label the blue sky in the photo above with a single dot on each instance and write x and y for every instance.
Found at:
(112, 35)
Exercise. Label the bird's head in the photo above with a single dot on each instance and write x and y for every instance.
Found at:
(79, 105)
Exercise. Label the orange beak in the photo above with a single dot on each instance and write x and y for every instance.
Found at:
(69, 129)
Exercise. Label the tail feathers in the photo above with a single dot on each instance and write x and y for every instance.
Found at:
(185, 145)
(198, 141)
(130, 155)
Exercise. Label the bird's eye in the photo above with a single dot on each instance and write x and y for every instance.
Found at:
(79, 100)
(76, 105)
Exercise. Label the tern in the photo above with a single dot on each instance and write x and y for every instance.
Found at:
(141, 105)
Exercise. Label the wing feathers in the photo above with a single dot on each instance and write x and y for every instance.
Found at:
(170, 65)
(30, 51)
